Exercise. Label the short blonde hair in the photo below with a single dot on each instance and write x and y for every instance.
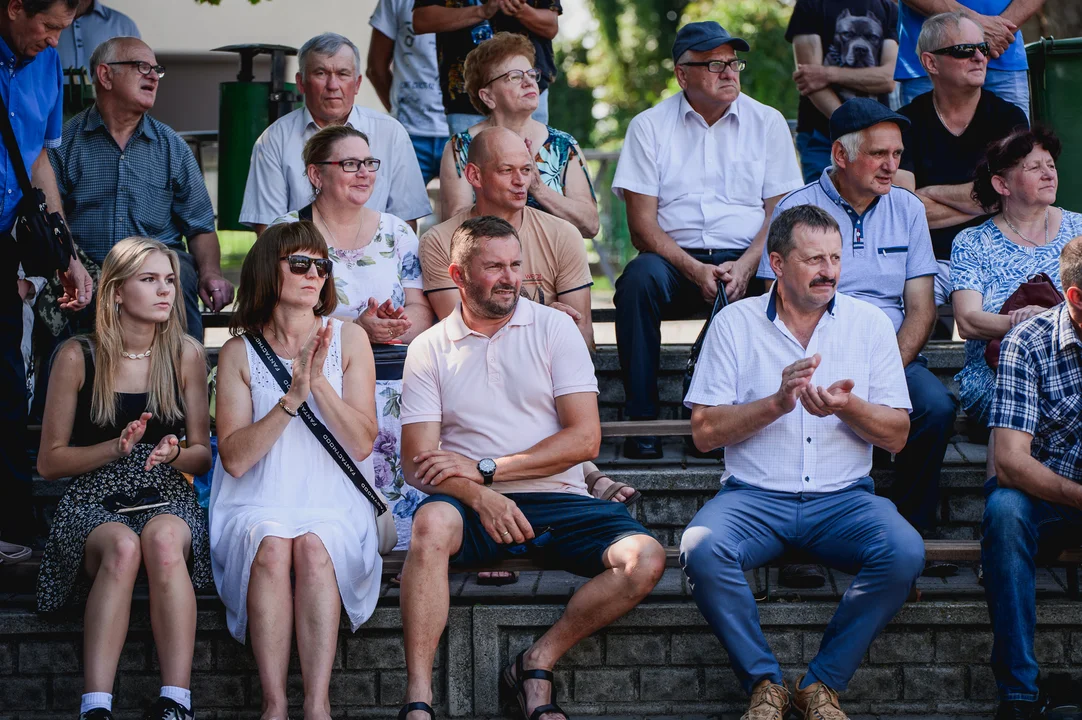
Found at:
(478, 67)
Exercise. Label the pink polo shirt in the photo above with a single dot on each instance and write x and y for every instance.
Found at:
(497, 396)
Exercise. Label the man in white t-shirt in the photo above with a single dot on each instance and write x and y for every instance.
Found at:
(411, 90)
(797, 386)
(499, 411)
(330, 76)
(700, 174)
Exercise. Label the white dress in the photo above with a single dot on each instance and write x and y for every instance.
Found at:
(296, 488)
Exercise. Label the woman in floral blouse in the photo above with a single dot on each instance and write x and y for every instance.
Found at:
(377, 276)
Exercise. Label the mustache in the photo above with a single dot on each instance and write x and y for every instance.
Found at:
(824, 281)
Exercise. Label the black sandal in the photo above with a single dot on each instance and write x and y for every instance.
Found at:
(414, 706)
(517, 684)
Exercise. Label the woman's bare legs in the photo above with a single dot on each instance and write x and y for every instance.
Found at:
(317, 609)
(111, 557)
(270, 621)
(166, 544)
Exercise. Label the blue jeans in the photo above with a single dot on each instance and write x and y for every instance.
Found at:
(461, 122)
(917, 467)
(814, 148)
(189, 285)
(853, 530)
(648, 291)
(1016, 528)
(429, 151)
(1010, 85)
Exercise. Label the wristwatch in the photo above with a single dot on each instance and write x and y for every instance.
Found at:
(487, 468)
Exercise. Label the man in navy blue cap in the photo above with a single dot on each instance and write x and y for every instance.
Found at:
(700, 173)
(887, 259)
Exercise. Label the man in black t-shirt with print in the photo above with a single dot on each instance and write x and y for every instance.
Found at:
(462, 25)
(843, 49)
(950, 129)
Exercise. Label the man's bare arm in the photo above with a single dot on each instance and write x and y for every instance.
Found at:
(808, 50)
(435, 19)
(1017, 468)
(920, 313)
(380, 54)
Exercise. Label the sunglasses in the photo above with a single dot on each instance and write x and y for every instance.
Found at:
(144, 499)
(963, 51)
(542, 538)
(299, 264)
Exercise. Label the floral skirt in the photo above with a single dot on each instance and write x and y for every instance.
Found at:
(61, 580)
(387, 459)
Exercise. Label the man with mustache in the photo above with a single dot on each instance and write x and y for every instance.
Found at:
(798, 411)
(499, 411)
(888, 261)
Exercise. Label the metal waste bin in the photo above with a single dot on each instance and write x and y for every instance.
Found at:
(1055, 84)
(245, 109)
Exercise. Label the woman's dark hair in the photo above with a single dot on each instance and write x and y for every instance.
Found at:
(261, 275)
(1002, 155)
(319, 146)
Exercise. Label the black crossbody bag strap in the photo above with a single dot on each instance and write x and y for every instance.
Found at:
(326, 439)
(719, 302)
(12, 146)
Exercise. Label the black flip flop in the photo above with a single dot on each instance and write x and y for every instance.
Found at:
(413, 707)
(498, 580)
(516, 683)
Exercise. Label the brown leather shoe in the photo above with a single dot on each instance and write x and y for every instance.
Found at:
(768, 702)
(817, 702)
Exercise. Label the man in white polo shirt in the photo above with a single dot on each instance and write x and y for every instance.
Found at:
(499, 411)
(700, 174)
(330, 76)
(798, 411)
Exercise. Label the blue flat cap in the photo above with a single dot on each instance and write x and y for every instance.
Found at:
(704, 36)
(859, 113)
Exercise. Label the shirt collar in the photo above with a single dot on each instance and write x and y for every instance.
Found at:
(828, 187)
(1068, 333)
(8, 56)
(686, 110)
(94, 122)
(457, 328)
(99, 9)
(309, 121)
(772, 304)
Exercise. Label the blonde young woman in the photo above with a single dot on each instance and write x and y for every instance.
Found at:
(118, 403)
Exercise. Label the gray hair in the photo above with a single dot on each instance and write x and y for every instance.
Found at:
(851, 142)
(934, 32)
(106, 52)
(780, 238)
(326, 45)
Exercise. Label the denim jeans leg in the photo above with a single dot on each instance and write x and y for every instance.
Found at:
(429, 152)
(461, 122)
(740, 529)
(1010, 85)
(914, 87)
(189, 285)
(16, 512)
(541, 114)
(1015, 527)
(814, 149)
(919, 465)
(856, 531)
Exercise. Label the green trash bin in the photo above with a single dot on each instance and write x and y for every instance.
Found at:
(1055, 83)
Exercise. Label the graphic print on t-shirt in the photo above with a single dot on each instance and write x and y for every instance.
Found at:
(857, 43)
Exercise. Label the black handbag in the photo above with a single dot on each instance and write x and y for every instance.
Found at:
(385, 527)
(719, 302)
(43, 239)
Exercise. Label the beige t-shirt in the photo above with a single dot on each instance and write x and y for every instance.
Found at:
(497, 396)
(553, 256)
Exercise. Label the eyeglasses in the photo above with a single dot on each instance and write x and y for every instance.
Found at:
(515, 76)
(352, 165)
(299, 264)
(963, 51)
(718, 66)
(142, 66)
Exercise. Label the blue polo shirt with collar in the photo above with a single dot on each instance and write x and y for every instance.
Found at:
(79, 40)
(31, 88)
(882, 248)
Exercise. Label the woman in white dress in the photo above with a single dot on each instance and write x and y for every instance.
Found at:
(377, 280)
(279, 502)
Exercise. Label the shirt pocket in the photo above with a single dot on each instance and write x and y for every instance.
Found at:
(744, 181)
(154, 206)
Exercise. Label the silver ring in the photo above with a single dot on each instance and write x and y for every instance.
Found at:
(507, 533)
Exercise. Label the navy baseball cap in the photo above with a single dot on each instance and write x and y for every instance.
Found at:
(859, 113)
(705, 35)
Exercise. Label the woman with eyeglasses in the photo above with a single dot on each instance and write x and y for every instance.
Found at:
(117, 404)
(377, 280)
(280, 504)
(502, 83)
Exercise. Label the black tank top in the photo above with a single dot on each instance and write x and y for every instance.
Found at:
(84, 432)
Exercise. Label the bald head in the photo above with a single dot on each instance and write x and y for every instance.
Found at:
(120, 86)
(115, 49)
(500, 169)
(495, 145)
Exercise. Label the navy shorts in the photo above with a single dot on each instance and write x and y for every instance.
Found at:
(583, 528)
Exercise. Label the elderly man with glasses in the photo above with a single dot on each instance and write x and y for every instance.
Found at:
(950, 128)
(123, 173)
(700, 173)
(330, 76)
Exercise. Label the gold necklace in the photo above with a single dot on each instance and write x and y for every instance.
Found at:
(947, 127)
(274, 331)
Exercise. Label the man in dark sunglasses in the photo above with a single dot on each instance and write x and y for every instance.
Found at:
(123, 173)
(950, 128)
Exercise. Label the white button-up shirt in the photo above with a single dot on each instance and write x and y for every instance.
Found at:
(742, 360)
(710, 180)
(277, 183)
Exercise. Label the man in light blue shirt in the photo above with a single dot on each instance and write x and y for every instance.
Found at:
(94, 24)
(1000, 20)
(888, 261)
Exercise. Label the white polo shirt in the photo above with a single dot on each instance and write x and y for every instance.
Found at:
(277, 183)
(497, 396)
(710, 181)
(742, 359)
